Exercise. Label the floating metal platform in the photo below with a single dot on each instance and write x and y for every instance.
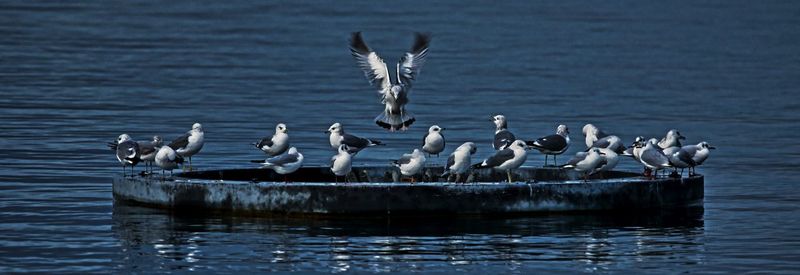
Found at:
(379, 191)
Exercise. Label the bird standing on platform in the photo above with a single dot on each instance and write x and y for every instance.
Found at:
(189, 144)
(502, 136)
(552, 144)
(433, 141)
(354, 144)
(286, 163)
(127, 151)
(149, 150)
(511, 157)
(277, 144)
(167, 159)
(459, 161)
(342, 162)
(410, 164)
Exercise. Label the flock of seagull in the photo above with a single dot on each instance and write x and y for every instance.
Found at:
(602, 153)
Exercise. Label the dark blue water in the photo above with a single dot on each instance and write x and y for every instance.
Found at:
(75, 75)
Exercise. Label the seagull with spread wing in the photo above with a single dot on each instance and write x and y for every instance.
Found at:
(394, 96)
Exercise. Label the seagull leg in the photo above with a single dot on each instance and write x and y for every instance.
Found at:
(545, 160)
(555, 163)
(508, 172)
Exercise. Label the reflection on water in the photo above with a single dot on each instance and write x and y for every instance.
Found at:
(153, 239)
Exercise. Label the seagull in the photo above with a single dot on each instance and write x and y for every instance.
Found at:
(410, 164)
(586, 162)
(613, 143)
(652, 157)
(502, 137)
(690, 156)
(433, 141)
(610, 160)
(592, 134)
(393, 96)
(460, 160)
(342, 163)
(672, 139)
(354, 143)
(189, 144)
(127, 150)
(632, 151)
(285, 163)
(511, 157)
(168, 159)
(553, 144)
(149, 150)
(277, 144)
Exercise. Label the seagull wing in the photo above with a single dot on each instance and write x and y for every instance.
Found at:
(180, 142)
(499, 158)
(373, 66)
(282, 159)
(450, 162)
(411, 62)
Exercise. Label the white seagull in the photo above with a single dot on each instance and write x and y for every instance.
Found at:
(690, 156)
(652, 157)
(592, 134)
(285, 163)
(189, 144)
(277, 144)
(342, 162)
(552, 144)
(393, 96)
(167, 159)
(410, 164)
(433, 141)
(502, 136)
(586, 162)
(511, 157)
(354, 144)
(127, 151)
(459, 161)
(672, 139)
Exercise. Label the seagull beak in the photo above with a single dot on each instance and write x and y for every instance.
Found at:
(681, 137)
(712, 147)
(327, 132)
(601, 153)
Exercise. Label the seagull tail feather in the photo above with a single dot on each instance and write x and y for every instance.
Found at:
(393, 122)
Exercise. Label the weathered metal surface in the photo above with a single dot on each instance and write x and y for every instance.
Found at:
(543, 190)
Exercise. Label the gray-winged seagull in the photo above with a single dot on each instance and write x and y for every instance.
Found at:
(354, 144)
(410, 164)
(277, 144)
(511, 157)
(459, 161)
(189, 144)
(433, 141)
(502, 136)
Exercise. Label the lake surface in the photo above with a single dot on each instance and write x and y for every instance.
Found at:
(74, 75)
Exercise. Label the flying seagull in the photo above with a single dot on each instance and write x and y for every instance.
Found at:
(553, 144)
(433, 141)
(394, 96)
